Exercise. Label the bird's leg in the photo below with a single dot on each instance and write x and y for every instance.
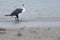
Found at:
(17, 17)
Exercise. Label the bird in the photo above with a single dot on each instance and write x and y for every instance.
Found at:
(17, 11)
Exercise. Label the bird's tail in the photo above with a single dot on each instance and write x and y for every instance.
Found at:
(7, 15)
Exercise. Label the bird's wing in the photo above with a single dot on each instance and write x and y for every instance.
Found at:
(17, 11)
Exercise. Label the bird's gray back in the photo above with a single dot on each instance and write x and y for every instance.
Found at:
(17, 11)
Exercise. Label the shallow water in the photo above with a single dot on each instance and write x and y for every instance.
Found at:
(11, 23)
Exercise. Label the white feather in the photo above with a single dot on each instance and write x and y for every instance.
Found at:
(23, 9)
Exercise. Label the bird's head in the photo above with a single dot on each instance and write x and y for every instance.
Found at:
(22, 4)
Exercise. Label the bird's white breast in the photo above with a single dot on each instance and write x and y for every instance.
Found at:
(23, 9)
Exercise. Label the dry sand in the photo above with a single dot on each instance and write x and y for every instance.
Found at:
(35, 33)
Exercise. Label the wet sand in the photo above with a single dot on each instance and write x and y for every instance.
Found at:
(33, 33)
(31, 19)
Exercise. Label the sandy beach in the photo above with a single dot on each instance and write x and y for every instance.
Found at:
(33, 33)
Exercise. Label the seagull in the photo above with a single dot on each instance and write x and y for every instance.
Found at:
(17, 11)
